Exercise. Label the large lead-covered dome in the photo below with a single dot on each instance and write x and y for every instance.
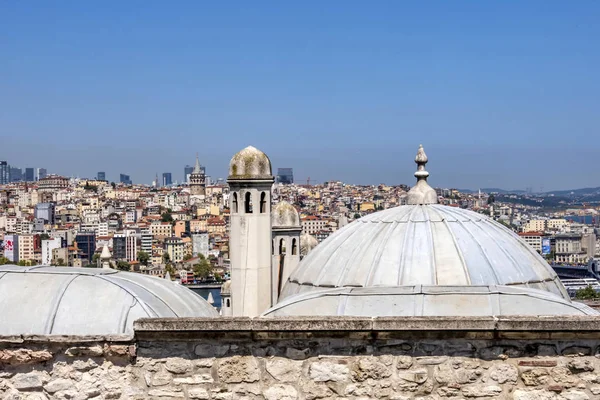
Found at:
(424, 259)
(88, 301)
(423, 244)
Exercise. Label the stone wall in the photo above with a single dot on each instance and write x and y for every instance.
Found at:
(340, 358)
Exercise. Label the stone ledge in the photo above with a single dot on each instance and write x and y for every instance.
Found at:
(378, 327)
(18, 339)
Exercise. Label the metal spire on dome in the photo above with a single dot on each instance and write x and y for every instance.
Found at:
(197, 169)
(421, 193)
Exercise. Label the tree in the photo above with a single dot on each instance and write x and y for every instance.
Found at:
(44, 236)
(491, 199)
(60, 262)
(166, 217)
(95, 258)
(187, 257)
(203, 268)
(123, 266)
(587, 293)
(171, 270)
(166, 258)
(143, 257)
(4, 260)
(25, 263)
(356, 216)
(114, 185)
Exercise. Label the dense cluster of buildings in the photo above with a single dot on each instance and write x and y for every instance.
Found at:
(56, 220)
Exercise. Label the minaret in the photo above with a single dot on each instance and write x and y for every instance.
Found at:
(198, 180)
(421, 193)
(286, 229)
(250, 182)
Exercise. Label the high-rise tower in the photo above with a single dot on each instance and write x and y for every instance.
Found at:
(197, 180)
(250, 182)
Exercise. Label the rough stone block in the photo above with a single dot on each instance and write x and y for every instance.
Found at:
(178, 365)
(284, 370)
(281, 392)
(329, 372)
(239, 369)
(29, 381)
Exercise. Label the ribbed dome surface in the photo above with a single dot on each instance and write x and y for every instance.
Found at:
(423, 244)
(88, 301)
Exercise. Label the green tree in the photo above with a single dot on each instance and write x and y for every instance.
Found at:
(143, 257)
(491, 199)
(166, 258)
(587, 293)
(114, 185)
(171, 270)
(44, 236)
(95, 258)
(25, 263)
(203, 268)
(123, 266)
(4, 260)
(60, 262)
(166, 217)
(187, 257)
(356, 216)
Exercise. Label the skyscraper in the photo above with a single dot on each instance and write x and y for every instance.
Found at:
(29, 174)
(101, 176)
(187, 171)
(285, 175)
(167, 179)
(4, 173)
(41, 173)
(16, 174)
(126, 179)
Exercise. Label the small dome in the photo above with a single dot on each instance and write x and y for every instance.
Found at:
(250, 163)
(88, 301)
(284, 215)
(307, 243)
(423, 244)
(428, 301)
(226, 287)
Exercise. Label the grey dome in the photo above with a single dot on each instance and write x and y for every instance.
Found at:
(423, 245)
(250, 163)
(87, 301)
(307, 243)
(284, 215)
(427, 301)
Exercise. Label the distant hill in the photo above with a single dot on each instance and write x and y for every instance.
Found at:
(492, 190)
(575, 192)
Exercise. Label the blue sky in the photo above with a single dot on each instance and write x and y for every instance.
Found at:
(500, 93)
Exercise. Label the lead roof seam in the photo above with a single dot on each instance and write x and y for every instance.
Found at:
(66, 285)
(485, 255)
(377, 259)
(145, 306)
(403, 248)
(149, 291)
(431, 250)
(456, 246)
(346, 268)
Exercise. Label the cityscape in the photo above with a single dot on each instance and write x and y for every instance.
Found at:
(299, 200)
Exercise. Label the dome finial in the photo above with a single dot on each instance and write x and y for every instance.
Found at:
(421, 193)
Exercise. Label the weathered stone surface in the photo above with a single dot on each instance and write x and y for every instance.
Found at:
(329, 372)
(24, 356)
(161, 378)
(80, 351)
(296, 354)
(417, 375)
(370, 368)
(284, 370)
(193, 380)
(170, 393)
(535, 376)
(579, 365)
(198, 393)
(534, 395)
(481, 391)
(204, 350)
(84, 365)
(405, 362)
(58, 384)
(503, 373)
(178, 365)
(431, 360)
(575, 395)
(239, 369)
(29, 381)
(314, 391)
(281, 392)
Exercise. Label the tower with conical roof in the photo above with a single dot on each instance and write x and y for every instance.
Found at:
(250, 182)
(198, 180)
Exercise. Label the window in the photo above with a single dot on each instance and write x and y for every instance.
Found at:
(263, 202)
(228, 303)
(282, 246)
(248, 203)
(294, 247)
(235, 203)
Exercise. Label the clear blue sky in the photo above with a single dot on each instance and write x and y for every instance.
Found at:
(501, 93)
